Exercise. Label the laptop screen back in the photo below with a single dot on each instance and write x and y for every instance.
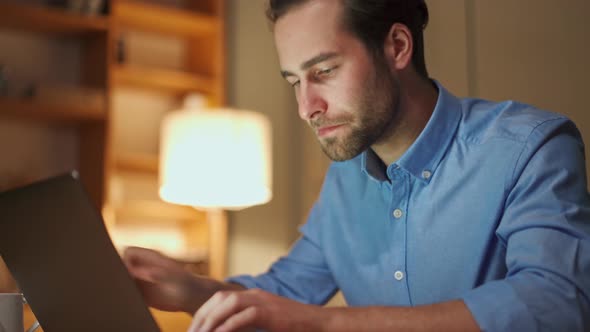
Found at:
(55, 244)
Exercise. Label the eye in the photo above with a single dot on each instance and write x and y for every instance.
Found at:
(294, 84)
(323, 73)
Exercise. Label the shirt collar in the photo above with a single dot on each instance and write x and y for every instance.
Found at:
(425, 154)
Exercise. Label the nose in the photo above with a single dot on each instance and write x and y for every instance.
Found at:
(311, 104)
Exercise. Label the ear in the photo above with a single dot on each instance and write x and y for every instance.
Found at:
(398, 46)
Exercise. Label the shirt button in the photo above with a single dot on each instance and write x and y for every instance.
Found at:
(398, 275)
(397, 213)
(426, 174)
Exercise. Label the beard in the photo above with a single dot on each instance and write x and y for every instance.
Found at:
(372, 115)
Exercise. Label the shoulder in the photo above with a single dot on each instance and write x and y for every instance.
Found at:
(484, 120)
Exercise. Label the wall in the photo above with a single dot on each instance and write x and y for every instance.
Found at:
(528, 50)
(259, 235)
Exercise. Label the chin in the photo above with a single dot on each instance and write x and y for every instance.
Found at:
(340, 153)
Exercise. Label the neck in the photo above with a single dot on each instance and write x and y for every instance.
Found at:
(417, 99)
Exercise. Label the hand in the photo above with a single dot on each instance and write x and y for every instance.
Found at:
(237, 310)
(164, 282)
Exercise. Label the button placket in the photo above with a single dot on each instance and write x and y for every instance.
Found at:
(398, 216)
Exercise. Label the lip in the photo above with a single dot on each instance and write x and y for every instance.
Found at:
(324, 131)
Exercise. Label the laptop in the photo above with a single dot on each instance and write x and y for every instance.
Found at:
(56, 246)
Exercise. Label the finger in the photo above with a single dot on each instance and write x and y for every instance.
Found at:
(131, 252)
(142, 256)
(243, 319)
(147, 273)
(221, 310)
(147, 264)
(206, 308)
(220, 313)
(135, 257)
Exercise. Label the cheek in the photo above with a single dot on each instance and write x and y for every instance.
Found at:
(349, 94)
(354, 85)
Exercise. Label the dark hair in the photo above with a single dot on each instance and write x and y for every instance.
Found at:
(371, 20)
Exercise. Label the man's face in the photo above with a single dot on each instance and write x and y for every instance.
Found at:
(348, 97)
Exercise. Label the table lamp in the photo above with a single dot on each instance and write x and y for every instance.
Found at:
(215, 159)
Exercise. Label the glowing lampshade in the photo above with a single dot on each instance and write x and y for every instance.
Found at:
(215, 158)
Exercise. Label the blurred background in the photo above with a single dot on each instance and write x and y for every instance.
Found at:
(85, 84)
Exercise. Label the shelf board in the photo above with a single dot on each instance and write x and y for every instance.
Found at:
(174, 81)
(162, 19)
(145, 209)
(47, 19)
(35, 110)
(137, 163)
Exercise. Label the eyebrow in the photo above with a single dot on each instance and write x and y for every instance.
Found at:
(311, 62)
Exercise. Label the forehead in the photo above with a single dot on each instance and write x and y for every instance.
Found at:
(310, 29)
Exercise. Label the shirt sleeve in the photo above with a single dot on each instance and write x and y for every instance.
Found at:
(546, 230)
(302, 275)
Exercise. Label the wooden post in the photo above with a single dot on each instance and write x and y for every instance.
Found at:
(217, 222)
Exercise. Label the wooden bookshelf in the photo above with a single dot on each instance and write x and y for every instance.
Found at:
(159, 19)
(44, 19)
(166, 80)
(137, 163)
(29, 109)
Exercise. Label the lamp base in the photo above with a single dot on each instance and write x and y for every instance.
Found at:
(217, 225)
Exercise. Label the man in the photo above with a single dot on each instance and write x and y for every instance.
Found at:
(439, 214)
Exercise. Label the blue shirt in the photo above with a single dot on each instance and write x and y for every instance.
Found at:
(489, 205)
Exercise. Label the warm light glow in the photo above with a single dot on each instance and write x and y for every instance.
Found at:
(215, 159)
